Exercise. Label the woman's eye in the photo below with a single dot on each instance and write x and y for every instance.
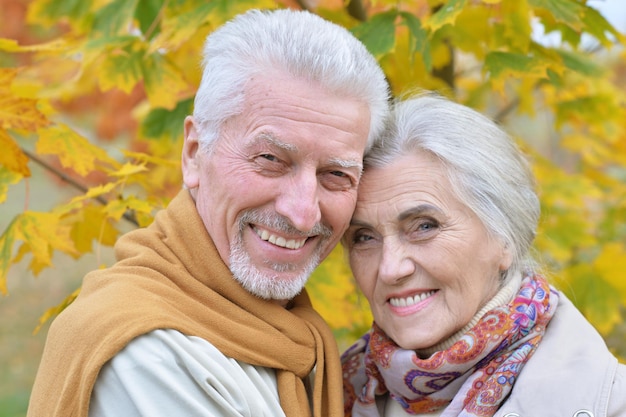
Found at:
(426, 226)
(361, 237)
(423, 228)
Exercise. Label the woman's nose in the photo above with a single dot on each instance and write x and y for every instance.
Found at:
(396, 262)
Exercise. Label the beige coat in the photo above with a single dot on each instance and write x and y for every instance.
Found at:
(572, 373)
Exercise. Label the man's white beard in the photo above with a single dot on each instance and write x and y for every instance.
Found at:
(268, 284)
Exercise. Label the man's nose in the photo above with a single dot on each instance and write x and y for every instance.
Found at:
(299, 201)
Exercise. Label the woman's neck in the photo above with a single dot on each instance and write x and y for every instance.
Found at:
(502, 297)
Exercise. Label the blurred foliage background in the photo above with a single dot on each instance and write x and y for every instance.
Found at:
(93, 94)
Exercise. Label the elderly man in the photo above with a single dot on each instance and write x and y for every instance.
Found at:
(204, 313)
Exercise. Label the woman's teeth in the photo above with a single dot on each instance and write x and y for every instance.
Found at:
(409, 301)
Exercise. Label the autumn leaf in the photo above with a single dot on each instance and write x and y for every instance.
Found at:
(72, 149)
(12, 157)
(7, 178)
(6, 254)
(177, 27)
(343, 306)
(378, 33)
(159, 71)
(566, 11)
(43, 232)
(89, 225)
(54, 311)
(611, 264)
(115, 209)
(114, 17)
(595, 297)
(17, 112)
(48, 13)
(446, 14)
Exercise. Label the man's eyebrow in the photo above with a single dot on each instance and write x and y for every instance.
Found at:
(273, 140)
(347, 163)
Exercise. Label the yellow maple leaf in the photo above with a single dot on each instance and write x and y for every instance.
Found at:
(129, 169)
(43, 232)
(88, 225)
(72, 149)
(54, 311)
(12, 157)
(17, 112)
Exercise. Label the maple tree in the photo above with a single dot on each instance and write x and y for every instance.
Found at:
(130, 68)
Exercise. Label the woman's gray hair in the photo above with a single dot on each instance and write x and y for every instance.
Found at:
(297, 43)
(487, 170)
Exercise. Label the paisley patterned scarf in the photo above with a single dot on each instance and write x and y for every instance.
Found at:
(471, 378)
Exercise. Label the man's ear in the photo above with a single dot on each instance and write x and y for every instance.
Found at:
(191, 154)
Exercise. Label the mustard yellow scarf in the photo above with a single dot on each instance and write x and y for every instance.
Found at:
(170, 275)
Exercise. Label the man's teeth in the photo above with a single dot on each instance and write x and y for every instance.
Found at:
(280, 241)
(409, 301)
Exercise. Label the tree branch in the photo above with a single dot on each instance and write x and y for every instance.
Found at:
(128, 215)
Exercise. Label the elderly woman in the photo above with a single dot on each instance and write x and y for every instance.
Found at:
(464, 324)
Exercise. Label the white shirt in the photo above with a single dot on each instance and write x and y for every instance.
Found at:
(166, 373)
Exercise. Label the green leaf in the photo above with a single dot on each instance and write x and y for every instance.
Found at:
(597, 26)
(178, 27)
(115, 17)
(163, 81)
(589, 108)
(51, 12)
(419, 38)
(500, 64)
(447, 14)
(122, 66)
(581, 63)
(379, 33)
(566, 11)
(146, 14)
(6, 254)
(164, 123)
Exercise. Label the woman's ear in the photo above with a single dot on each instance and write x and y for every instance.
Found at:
(191, 154)
(507, 257)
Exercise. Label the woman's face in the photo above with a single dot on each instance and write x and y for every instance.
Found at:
(421, 257)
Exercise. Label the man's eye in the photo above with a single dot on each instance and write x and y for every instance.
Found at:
(337, 181)
(269, 157)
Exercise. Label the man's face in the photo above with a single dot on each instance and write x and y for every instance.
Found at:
(278, 188)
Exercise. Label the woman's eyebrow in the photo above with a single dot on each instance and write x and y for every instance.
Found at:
(420, 209)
